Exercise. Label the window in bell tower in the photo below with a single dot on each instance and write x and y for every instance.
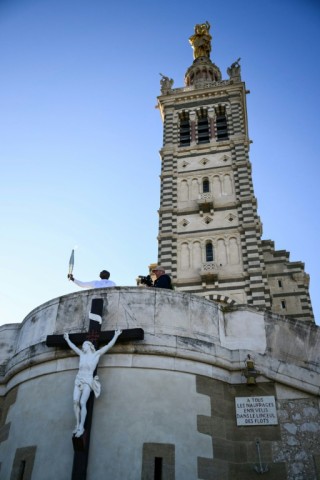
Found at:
(203, 126)
(184, 130)
(209, 252)
(205, 185)
(221, 123)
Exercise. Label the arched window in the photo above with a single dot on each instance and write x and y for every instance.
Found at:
(205, 185)
(184, 130)
(203, 126)
(209, 252)
(221, 123)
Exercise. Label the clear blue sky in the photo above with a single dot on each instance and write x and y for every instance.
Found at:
(80, 135)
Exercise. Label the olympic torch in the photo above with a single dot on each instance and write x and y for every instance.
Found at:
(71, 265)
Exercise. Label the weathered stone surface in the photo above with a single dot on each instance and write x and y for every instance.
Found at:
(300, 437)
(180, 325)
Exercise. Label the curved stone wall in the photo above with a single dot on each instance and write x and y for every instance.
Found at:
(172, 392)
(186, 331)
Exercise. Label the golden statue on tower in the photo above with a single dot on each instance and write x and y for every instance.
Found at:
(201, 40)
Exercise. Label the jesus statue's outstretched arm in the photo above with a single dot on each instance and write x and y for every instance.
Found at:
(71, 345)
(107, 347)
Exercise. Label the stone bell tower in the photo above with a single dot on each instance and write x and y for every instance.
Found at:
(209, 229)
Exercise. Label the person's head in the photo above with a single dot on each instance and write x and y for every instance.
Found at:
(88, 346)
(158, 271)
(104, 275)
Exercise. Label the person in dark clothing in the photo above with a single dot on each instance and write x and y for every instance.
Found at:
(162, 279)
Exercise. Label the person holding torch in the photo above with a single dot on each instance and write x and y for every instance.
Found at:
(104, 281)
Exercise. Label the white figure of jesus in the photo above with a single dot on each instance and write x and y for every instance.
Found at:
(85, 381)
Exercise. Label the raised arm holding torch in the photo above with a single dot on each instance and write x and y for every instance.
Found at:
(71, 265)
(104, 281)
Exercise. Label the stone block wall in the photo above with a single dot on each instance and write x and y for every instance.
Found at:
(291, 449)
(299, 448)
(183, 378)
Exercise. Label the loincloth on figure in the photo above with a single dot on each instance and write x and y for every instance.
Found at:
(92, 382)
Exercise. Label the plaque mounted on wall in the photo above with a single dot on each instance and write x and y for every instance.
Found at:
(256, 411)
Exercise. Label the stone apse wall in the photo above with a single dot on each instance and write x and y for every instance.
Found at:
(174, 395)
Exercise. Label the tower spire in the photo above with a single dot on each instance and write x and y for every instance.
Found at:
(203, 70)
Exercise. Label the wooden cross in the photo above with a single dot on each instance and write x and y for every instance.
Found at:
(95, 336)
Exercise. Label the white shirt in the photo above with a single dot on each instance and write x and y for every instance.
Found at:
(95, 284)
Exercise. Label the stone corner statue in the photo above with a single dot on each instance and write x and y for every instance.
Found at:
(166, 84)
(234, 71)
(201, 40)
(85, 380)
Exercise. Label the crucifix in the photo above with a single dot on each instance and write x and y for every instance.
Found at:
(88, 387)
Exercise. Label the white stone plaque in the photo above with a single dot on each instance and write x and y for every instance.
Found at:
(254, 411)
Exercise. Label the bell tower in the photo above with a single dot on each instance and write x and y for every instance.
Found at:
(209, 229)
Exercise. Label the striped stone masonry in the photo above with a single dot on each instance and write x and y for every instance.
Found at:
(248, 269)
